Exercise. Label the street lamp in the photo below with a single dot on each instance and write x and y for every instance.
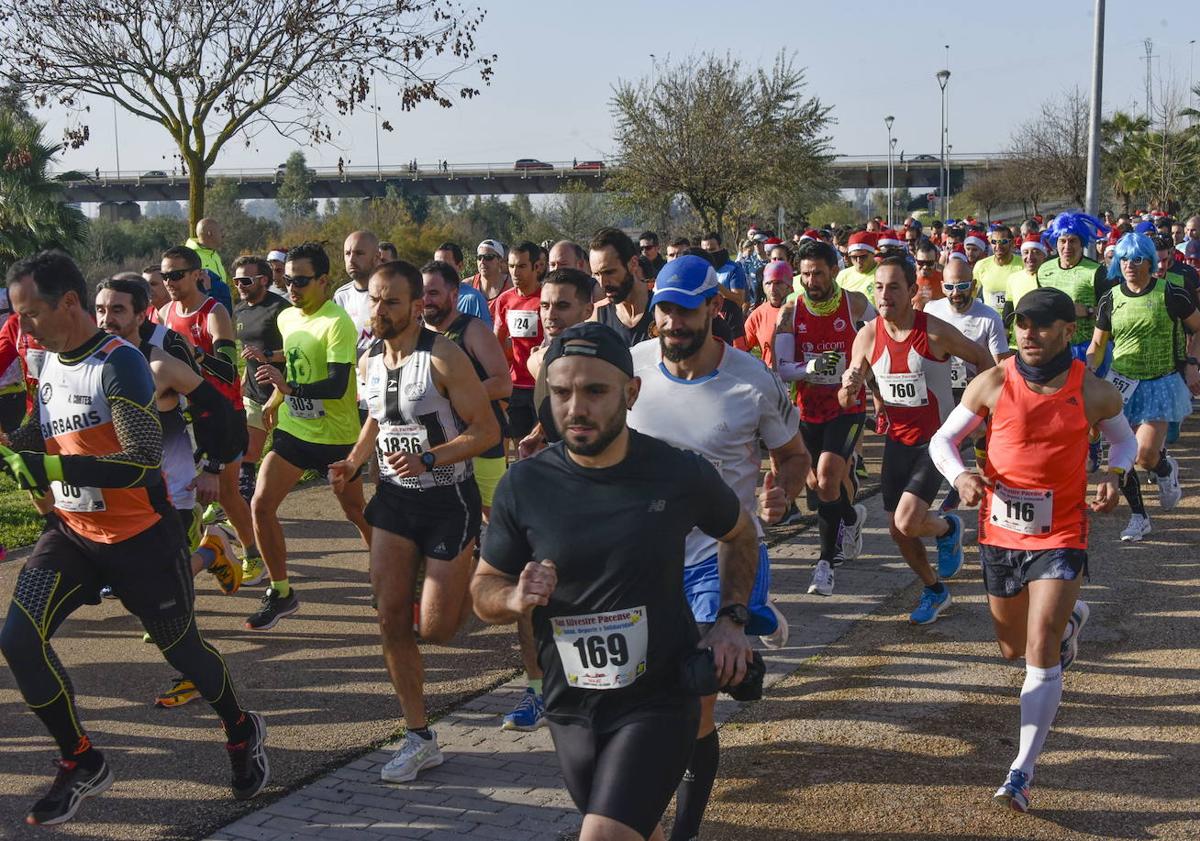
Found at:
(887, 121)
(943, 76)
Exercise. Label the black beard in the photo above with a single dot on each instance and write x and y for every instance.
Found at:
(676, 353)
(606, 436)
(623, 290)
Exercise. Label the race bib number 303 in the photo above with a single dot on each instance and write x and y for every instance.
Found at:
(305, 408)
(602, 650)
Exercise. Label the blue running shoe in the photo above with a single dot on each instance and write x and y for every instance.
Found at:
(930, 605)
(950, 551)
(1093, 458)
(1014, 793)
(528, 714)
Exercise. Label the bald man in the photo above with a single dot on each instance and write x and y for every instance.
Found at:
(565, 254)
(207, 240)
(362, 258)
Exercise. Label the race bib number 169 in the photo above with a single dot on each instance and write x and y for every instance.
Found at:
(602, 650)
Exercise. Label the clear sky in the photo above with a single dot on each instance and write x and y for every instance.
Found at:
(558, 60)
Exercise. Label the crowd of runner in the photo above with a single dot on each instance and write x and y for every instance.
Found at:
(571, 440)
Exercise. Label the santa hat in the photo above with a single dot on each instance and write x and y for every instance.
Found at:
(890, 239)
(958, 253)
(772, 241)
(1033, 241)
(976, 237)
(811, 233)
(862, 241)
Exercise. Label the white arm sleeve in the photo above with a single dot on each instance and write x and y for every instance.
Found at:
(1122, 444)
(943, 449)
(789, 369)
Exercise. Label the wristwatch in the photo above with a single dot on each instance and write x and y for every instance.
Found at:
(737, 613)
(429, 459)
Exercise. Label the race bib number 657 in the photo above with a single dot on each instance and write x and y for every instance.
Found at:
(602, 650)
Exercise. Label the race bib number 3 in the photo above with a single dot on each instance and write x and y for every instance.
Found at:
(305, 408)
(1124, 385)
(78, 500)
(904, 389)
(522, 324)
(1022, 510)
(602, 650)
(958, 373)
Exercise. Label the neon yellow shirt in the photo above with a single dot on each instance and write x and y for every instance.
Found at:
(310, 344)
(856, 281)
(1017, 284)
(993, 279)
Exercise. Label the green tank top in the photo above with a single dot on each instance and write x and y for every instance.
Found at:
(1143, 333)
(1018, 283)
(1078, 282)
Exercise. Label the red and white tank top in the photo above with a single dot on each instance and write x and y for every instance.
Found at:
(195, 328)
(815, 335)
(914, 383)
(1037, 454)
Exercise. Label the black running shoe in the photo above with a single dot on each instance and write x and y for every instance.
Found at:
(251, 770)
(72, 784)
(274, 607)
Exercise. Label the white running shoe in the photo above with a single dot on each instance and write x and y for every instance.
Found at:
(822, 579)
(779, 637)
(1069, 649)
(852, 544)
(415, 755)
(1169, 492)
(1139, 527)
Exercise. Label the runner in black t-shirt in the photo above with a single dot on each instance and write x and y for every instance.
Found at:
(255, 318)
(606, 591)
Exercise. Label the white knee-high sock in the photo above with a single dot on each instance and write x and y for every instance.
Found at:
(1040, 697)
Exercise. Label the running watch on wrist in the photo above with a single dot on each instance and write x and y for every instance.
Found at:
(737, 613)
(429, 459)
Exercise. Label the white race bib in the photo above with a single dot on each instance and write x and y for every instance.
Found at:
(904, 389)
(78, 500)
(1025, 511)
(1124, 385)
(305, 408)
(958, 373)
(826, 379)
(996, 300)
(522, 324)
(602, 650)
(409, 438)
(35, 358)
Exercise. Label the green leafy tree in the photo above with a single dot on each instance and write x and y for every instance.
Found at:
(726, 137)
(294, 196)
(211, 72)
(33, 215)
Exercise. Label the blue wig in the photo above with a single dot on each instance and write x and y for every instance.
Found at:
(1130, 247)
(1080, 224)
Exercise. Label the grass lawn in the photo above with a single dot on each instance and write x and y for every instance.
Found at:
(20, 523)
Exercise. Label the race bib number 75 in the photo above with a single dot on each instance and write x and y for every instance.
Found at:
(602, 650)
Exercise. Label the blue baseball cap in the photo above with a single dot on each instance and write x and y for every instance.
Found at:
(688, 281)
(1146, 227)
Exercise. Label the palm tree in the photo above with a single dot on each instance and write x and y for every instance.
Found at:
(33, 215)
(1125, 156)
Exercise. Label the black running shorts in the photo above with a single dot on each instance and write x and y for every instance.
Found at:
(629, 771)
(1006, 572)
(522, 417)
(907, 468)
(838, 436)
(441, 521)
(150, 573)
(306, 456)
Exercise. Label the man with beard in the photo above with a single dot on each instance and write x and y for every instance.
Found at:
(607, 603)
(362, 256)
(813, 341)
(699, 394)
(318, 423)
(625, 308)
(907, 353)
(470, 299)
(991, 273)
(519, 330)
(428, 417)
(1032, 495)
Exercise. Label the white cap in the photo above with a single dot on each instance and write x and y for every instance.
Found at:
(279, 256)
(492, 245)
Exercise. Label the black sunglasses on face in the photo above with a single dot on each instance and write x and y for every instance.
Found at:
(177, 274)
(300, 281)
(488, 257)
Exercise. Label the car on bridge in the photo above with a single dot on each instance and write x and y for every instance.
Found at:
(589, 165)
(925, 158)
(154, 173)
(526, 164)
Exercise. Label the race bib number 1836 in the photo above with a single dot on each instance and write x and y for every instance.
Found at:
(602, 650)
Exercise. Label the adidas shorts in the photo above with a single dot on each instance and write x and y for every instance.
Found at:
(441, 521)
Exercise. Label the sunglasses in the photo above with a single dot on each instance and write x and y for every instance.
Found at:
(958, 287)
(926, 264)
(647, 247)
(247, 280)
(487, 258)
(177, 274)
(300, 281)
(1135, 261)
(999, 241)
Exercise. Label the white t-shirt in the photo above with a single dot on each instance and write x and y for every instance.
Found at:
(354, 301)
(981, 324)
(721, 417)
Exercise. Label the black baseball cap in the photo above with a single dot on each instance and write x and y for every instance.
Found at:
(1044, 306)
(591, 339)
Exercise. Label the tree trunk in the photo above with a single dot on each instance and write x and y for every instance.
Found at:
(196, 184)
